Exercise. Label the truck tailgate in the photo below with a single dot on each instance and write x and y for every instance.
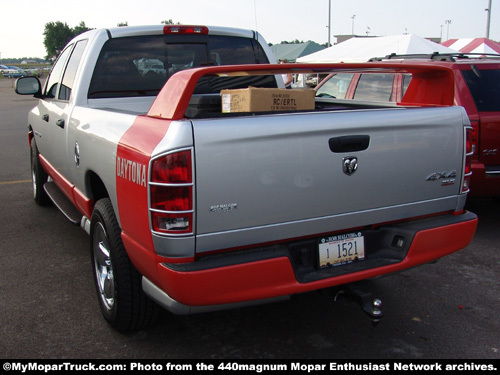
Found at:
(272, 177)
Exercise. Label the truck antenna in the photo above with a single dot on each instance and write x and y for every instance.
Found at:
(255, 14)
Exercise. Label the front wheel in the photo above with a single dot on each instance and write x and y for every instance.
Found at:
(118, 284)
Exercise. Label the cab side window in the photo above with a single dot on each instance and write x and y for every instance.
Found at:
(374, 86)
(406, 82)
(71, 68)
(55, 75)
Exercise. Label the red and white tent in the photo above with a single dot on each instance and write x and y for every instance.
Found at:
(473, 45)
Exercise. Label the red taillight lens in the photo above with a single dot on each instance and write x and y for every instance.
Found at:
(173, 169)
(185, 29)
(467, 168)
(473, 137)
(468, 145)
(171, 193)
(171, 198)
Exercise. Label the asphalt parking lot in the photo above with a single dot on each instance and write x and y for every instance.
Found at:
(48, 307)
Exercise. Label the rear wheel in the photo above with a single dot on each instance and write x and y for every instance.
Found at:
(118, 284)
(38, 177)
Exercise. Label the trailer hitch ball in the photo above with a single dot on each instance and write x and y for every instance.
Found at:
(371, 306)
(373, 309)
(376, 312)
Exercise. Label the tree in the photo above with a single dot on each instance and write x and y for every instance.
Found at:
(57, 35)
(296, 41)
(81, 28)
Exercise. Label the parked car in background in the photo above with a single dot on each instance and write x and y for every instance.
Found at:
(477, 89)
(5, 70)
(12, 71)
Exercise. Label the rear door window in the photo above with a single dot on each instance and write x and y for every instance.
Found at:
(52, 83)
(71, 68)
(484, 85)
(406, 83)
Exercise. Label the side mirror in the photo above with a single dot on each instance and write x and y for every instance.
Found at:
(29, 86)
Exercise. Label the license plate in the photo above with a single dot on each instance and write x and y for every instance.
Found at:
(341, 249)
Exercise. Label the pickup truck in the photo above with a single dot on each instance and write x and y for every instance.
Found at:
(193, 207)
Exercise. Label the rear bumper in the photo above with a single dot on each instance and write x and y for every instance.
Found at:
(485, 181)
(276, 272)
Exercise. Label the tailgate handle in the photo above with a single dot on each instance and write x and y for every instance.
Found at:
(349, 143)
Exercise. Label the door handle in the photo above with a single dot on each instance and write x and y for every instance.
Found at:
(349, 143)
(60, 123)
(45, 118)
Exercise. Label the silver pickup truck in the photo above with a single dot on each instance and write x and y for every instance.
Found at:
(195, 207)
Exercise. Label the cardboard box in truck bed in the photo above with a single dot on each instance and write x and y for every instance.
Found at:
(255, 99)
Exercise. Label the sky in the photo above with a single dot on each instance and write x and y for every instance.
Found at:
(21, 31)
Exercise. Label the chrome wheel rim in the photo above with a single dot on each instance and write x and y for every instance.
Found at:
(103, 267)
(33, 181)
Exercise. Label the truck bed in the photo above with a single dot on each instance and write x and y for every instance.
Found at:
(209, 106)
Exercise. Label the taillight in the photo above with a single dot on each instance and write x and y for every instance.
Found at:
(173, 168)
(171, 193)
(185, 29)
(469, 151)
(474, 136)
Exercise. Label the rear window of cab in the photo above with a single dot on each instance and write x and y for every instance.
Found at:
(140, 66)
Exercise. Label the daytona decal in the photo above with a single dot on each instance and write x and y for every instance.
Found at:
(132, 162)
(130, 170)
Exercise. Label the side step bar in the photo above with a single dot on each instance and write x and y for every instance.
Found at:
(62, 202)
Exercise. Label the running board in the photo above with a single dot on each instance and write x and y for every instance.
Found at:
(62, 202)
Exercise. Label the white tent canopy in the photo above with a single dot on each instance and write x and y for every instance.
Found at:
(357, 50)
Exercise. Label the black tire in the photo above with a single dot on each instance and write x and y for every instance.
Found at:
(118, 283)
(38, 177)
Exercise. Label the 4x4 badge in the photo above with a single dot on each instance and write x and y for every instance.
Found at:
(349, 165)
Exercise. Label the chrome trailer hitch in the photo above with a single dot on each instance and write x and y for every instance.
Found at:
(370, 305)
